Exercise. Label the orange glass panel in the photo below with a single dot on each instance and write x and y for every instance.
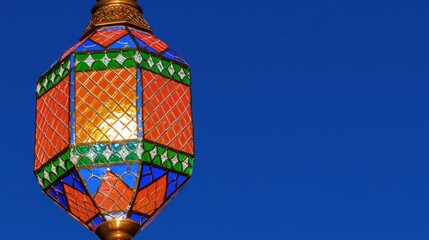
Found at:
(80, 204)
(167, 112)
(106, 105)
(150, 40)
(151, 198)
(105, 38)
(114, 194)
(52, 123)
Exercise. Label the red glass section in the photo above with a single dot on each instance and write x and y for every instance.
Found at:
(150, 40)
(167, 112)
(52, 123)
(114, 194)
(80, 204)
(152, 197)
(105, 38)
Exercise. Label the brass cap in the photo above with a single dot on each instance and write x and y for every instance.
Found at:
(118, 229)
(114, 12)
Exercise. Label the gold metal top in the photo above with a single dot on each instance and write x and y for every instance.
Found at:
(118, 230)
(114, 12)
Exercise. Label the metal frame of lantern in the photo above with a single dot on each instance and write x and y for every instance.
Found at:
(114, 133)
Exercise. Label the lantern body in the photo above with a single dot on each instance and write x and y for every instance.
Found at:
(114, 132)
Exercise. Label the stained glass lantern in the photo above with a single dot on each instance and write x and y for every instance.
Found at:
(114, 134)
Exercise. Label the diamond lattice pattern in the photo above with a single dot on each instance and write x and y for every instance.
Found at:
(105, 38)
(80, 204)
(105, 105)
(52, 124)
(152, 197)
(151, 41)
(114, 194)
(167, 112)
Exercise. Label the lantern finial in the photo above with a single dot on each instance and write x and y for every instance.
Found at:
(118, 230)
(114, 12)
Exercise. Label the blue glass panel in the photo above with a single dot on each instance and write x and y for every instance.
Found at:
(72, 99)
(85, 173)
(157, 173)
(146, 170)
(73, 181)
(88, 45)
(57, 192)
(119, 169)
(96, 222)
(79, 186)
(93, 184)
(59, 187)
(180, 180)
(145, 46)
(139, 104)
(63, 201)
(173, 56)
(53, 193)
(99, 172)
(125, 42)
(138, 218)
(130, 180)
(172, 176)
(171, 188)
(112, 28)
(134, 169)
(144, 181)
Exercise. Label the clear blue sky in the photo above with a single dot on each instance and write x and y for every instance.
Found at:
(311, 118)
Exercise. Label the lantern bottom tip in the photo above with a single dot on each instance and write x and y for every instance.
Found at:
(118, 229)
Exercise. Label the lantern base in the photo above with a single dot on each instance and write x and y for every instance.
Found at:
(118, 229)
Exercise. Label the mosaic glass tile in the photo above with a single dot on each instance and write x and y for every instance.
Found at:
(115, 215)
(150, 174)
(170, 54)
(175, 182)
(105, 60)
(152, 197)
(167, 116)
(139, 218)
(52, 115)
(55, 169)
(165, 68)
(107, 37)
(95, 223)
(113, 194)
(125, 42)
(94, 177)
(53, 77)
(58, 194)
(167, 158)
(150, 40)
(74, 181)
(80, 204)
(106, 106)
(92, 155)
(88, 45)
(130, 59)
